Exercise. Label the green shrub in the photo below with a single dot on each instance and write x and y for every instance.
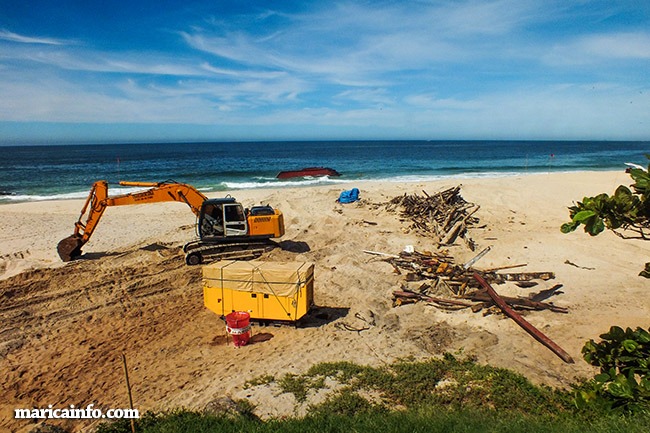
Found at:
(623, 357)
(624, 212)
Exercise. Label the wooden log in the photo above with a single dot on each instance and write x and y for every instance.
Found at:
(482, 296)
(469, 215)
(445, 301)
(405, 294)
(404, 301)
(447, 221)
(451, 235)
(504, 267)
(534, 332)
(527, 276)
(377, 253)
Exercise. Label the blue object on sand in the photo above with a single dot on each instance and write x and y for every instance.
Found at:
(349, 196)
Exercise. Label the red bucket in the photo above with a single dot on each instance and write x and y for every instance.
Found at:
(238, 326)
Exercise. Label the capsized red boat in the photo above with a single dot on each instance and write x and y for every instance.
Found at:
(309, 171)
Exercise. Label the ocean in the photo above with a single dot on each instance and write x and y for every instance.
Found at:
(29, 173)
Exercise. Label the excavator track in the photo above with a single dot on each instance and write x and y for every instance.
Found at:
(198, 252)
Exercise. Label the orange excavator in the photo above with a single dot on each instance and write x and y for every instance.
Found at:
(224, 228)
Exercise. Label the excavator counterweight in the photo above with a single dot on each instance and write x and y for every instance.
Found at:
(223, 226)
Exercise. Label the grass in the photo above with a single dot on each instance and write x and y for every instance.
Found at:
(424, 420)
(440, 395)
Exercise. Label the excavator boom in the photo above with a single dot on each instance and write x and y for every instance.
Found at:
(98, 199)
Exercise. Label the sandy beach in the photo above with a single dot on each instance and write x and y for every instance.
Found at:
(65, 326)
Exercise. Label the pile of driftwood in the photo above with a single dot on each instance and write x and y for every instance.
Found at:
(469, 288)
(444, 215)
(439, 274)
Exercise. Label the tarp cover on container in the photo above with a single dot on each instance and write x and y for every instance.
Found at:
(274, 278)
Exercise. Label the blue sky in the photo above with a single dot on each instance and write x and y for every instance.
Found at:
(97, 71)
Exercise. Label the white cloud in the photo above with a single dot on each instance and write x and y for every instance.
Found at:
(366, 96)
(78, 59)
(351, 42)
(242, 73)
(14, 37)
(598, 48)
(489, 17)
(431, 102)
(617, 46)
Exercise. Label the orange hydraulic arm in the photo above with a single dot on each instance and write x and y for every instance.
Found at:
(98, 200)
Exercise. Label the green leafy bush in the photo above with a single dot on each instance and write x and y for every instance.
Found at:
(624, 212)
(623, 357)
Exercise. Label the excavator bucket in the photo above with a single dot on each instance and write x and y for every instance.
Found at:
(70, 248)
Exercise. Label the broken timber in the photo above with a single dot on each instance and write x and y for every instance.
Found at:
(445, 214)
(422, 266)
(481, 296)
(459, 281)
(401, 295)
(534, 332)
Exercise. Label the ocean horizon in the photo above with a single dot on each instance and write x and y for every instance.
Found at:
(66, 171)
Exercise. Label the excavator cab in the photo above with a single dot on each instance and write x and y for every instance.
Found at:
(227, 230)
(222, 217)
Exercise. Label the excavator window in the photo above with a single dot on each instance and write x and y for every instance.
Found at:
(234, 213)
(212, 224)
(235, 220)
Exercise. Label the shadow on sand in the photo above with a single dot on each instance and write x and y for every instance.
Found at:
(294, 246)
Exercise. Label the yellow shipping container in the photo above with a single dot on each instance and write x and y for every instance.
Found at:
(266, 290)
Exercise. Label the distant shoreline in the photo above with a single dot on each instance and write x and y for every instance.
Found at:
(10, 198)
(338, 183)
